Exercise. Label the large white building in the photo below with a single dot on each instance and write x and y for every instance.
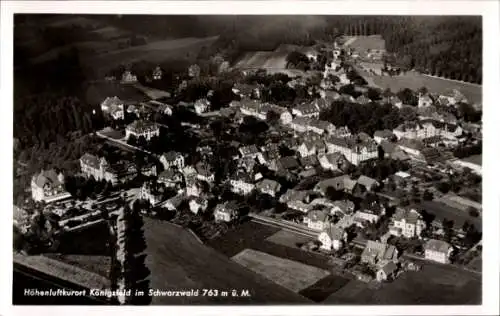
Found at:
(142, 128)
(100, 169)
(354, 148)
(407, 223)
(332, 238)
(48, 186)
(438, 250)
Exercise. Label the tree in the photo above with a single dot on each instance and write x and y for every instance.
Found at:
(423, 90)
(428, 196)
(473, 212)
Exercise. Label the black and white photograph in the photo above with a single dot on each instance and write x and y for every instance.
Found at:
(248, 159)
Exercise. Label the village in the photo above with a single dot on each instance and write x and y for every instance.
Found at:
(371, 205)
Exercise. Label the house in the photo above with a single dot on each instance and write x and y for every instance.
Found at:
(333, 161)
(407, 223)
(48, 186)
(451, 97)
(343, 206)
(247, 164)
(250, 151)
(445, 130)
(311, 148)
(300, 124)
(204, 172)
(148, 169)
(354, 148)
(142, 128)
(201, 106)
(100, 169)
(387, 272)
(226, 212)
(267, 186)
(368, 215)
(288, 163)
(128, 77)
(193, 188)
(283, 113)
(412, 147)
(438, 250)
(298, 205)
(194, 71)
(170, 178)
(395, 101)
(294, 195)
(321, 127)
(369, 183)
(241, 183)
(316, 220)
(157, 73)
(198, 204)
(151, 192)
(414, 130)
(377, 252)
(363, 100)
(245, 90)
(306, 110)
(401, 177)
(114, 107)
(172, 159)
(385, 134)
(332, 238)
(424, 101)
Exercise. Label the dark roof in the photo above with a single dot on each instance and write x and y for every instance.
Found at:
(47, 177)
(90, 160)
(289, 162)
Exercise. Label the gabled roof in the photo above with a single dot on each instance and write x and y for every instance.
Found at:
(411, 143)
(335, 233)
(47, 177)
(268, 184)
(409, 215)
(367, 181)
(171, 155)
(90, 160)
(288, 162)
(248, 150)
(345, 205)
(317, 215)
(141, 126)
(437, 245)
(307, 108)
(383, 133)
(294, 195)
(389, 268)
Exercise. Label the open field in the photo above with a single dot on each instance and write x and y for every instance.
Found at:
(110, 32)
(363, 43)
(287, 238)
(112, 133)
(325, 287)
(90, 47)
(433, 285)
(414, 80)
(97, 264)
(178, 261)
(287, 273)
(158, 51)
(152, 93)
(263, 59)
(441, 210)
(98, 91)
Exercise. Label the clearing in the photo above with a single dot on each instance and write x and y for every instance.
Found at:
(364, 43)
(441, 210)
(414, 80)
(289, 239)
(287, 273)
(178, 261)
(434, 285)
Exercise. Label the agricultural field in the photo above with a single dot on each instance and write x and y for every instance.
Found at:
(414, 80)
(287, 273)
(262, 59)
(178, 261)
(152, 93)
(96, 264)
(434, 285)
(111, 32)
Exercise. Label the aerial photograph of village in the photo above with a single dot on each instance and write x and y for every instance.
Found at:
(247, 159)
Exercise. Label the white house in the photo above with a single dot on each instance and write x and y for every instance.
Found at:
(268, 186)
(201, 106)
(142, 128)
(385, 134)
(204, 172)
(438, 250)
(317, 220)
(172, 159)
(387, 272)
(242, 184)
(332, 238)
(407, 223)
(306, 110)
(48, 186)
(354, 148)
(226, 212)
(198, 204)
(114, 107)
(424, 101)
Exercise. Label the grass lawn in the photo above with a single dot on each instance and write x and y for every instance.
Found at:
(287, 238)
(433, 285)
(476, 264)
(112, 133)
(178, 261)
(441, 210)
(287, 273)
